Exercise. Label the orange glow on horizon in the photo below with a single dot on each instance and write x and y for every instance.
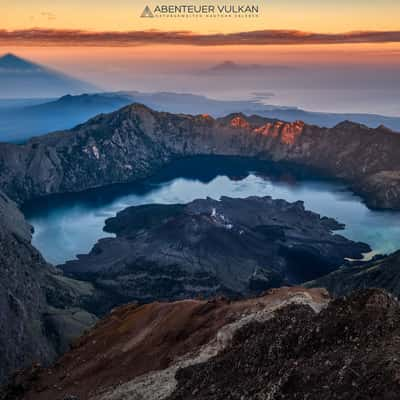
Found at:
(348, 54)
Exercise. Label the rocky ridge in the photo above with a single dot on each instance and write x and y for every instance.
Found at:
(134, 141)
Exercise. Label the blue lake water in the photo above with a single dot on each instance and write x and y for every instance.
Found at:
(67, 225)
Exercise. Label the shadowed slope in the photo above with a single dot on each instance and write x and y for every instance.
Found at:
(381, 273)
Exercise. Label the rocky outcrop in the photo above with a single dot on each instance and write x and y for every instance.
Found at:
(291, 343)
(382, 189)
(231, 247)
(22, 300)
(40, 309)
(383, 272)
(135, 141)
(348, 351)
(135, 352)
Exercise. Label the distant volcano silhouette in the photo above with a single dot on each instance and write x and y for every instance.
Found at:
(231, 67)
(11, 62)
(22, 78)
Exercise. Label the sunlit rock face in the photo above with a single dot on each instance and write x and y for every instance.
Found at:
(287, 133)
(239, 122)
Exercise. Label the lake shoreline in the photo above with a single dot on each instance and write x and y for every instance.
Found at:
(201, 177)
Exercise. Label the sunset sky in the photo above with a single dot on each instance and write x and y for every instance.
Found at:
(335, 44)
(331, 29)
(123, 15)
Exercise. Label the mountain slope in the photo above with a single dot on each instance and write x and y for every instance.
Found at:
(21, 123)
(22, 78)
(22, 301)
(347, 351)
(40, 309)
(135, 352)
(135, 141)
(383, 273)
(288, 344)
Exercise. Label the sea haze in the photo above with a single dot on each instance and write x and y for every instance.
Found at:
(22, 119)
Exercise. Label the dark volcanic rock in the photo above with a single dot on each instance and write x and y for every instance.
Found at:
(135, 141)
(384, 272)
(39, 308)
(349, 351)
(233, 247)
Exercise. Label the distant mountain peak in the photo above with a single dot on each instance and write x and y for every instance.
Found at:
(23, 78)
(10, 61)
(10, 56)
(230, 66)
(228, 63)
(384, 128)
(347, 124)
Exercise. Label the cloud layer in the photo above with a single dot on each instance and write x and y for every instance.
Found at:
(57, 37)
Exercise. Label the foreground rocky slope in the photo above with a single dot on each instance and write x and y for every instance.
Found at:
(135, 352)
(231, 247)
(288, 344)
(383, 272)
(135, 141)
(349, 351)
(40, 309)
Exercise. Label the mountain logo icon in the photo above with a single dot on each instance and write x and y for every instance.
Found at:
(147, 13)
